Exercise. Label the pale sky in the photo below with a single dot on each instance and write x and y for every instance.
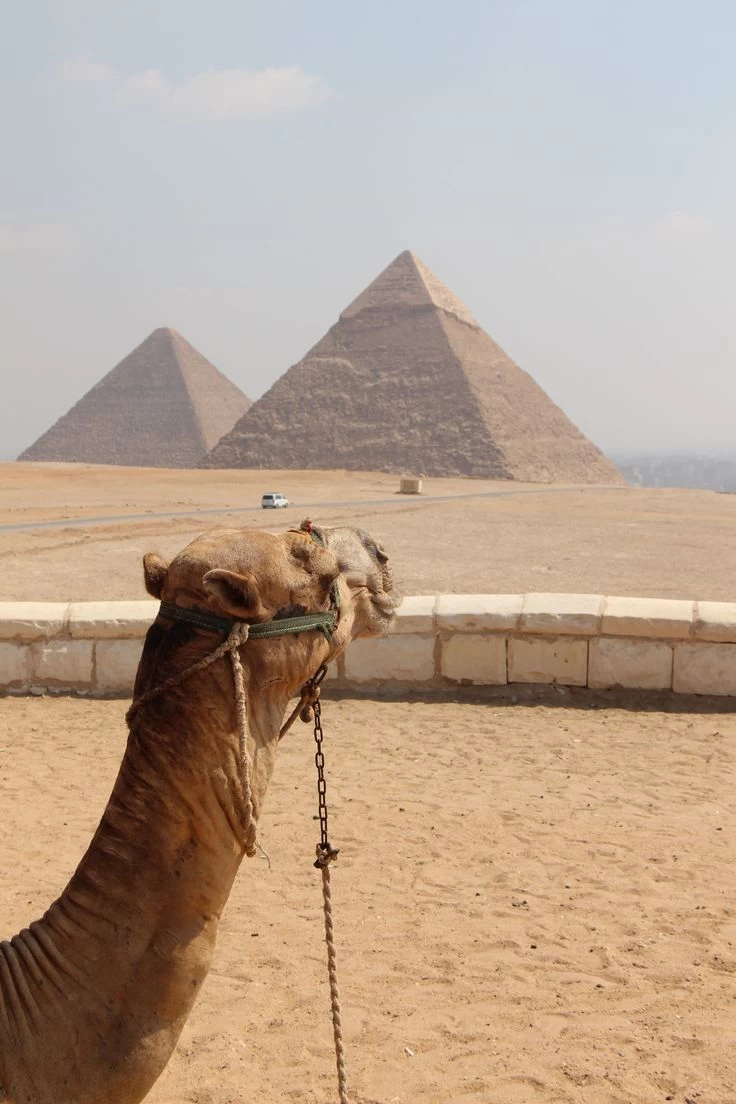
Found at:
(240, 171)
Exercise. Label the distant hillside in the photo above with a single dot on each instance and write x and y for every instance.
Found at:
(712, 473)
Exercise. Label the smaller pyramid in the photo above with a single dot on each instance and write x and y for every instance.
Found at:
(163, 406)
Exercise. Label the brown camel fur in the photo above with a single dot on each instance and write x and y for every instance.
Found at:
(94, 995)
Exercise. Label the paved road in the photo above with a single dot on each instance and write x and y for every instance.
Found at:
(395, 500)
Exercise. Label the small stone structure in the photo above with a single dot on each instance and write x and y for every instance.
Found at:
(410, 485)
(455, 639)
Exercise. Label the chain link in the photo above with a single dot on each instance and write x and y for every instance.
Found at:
(313, 709)
(319, 760)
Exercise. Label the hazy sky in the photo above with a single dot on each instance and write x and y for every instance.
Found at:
(240, 171)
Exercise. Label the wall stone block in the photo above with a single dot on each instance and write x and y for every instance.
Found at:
(397, 658)
(705, 669)
(560, 659)
(475, 613)
(415, 614)
(576, 614)
(32, 620)
(715, 621)
(15, 666)
(652, 617)
(62, 664)
(116, 663)
(632, 664)
(476, 659)
(111, 620)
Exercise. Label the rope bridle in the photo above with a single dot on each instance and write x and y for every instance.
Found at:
(308, 707)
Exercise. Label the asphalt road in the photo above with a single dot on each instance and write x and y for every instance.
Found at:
(111, 519)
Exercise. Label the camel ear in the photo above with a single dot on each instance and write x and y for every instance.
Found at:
(236, 594)
(155, 571)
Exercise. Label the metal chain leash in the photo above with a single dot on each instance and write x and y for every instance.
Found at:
(324, 850)
(326, 854)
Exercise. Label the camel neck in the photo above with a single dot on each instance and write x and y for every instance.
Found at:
(133, 932)
(174, 829)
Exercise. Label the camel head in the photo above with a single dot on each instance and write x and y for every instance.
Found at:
(255, 576)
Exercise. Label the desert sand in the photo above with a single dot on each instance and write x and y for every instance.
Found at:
(534, 902)
(461, 536)
(535, 894)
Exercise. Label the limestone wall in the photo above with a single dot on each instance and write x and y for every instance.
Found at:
(454, 639)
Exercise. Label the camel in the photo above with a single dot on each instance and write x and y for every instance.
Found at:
(94, 995)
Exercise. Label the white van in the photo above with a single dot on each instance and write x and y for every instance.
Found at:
(274, 501)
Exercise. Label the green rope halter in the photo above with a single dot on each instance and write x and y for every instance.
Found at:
(324, 622)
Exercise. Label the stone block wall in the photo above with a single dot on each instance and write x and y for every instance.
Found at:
(439, 641)
(75, 647)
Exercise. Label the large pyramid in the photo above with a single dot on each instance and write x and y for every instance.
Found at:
(163, 406)
(407, 381)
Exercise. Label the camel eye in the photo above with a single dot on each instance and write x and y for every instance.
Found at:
(381, 555)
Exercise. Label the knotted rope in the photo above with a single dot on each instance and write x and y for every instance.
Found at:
(236, 637)
(323, 861)
(251, 845)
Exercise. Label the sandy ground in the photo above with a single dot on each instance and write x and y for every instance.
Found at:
(659, 543)
(533, 903)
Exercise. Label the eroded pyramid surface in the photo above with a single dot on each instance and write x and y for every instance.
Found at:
(407, 381)
(164, 405)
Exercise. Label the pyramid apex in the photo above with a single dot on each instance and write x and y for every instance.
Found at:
(408, 283)
(161, 332)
